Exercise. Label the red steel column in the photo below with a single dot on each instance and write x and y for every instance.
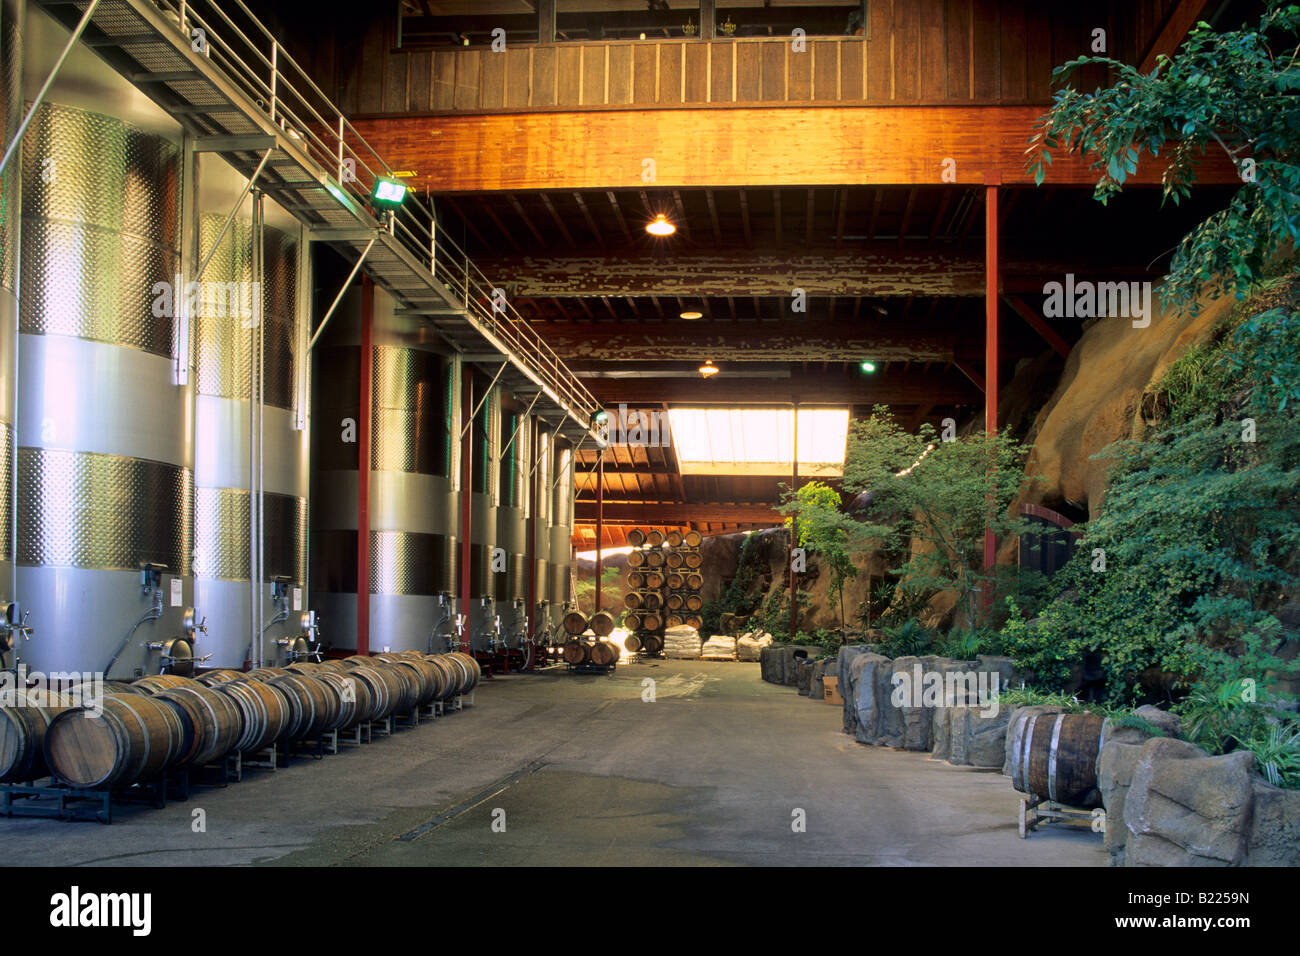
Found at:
(991, 276)
(600, 520)
(794, 523)
(363, 465)
(466, 473)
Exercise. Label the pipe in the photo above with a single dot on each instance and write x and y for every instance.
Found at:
(363, 464)
(339, 298)
(260, 276)
(203, 266)
(486, 392)
(49, 81)
(152, 614)
(990, 346)
(794, 522)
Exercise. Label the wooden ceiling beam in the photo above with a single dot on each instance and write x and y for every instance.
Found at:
(603, 149)
(675, 513)
(809, 388)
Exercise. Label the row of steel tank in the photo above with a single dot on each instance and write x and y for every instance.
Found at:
(141, 449)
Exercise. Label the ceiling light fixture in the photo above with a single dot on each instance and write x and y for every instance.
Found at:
(692, 315)
(708, 368)
(660, 226)
(868, 367)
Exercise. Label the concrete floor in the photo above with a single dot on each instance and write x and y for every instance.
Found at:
(582, 771)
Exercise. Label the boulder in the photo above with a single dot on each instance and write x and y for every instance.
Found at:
(1115, 767)
(971, 736)
(1274, 827)
(821, 669)
(1186, 809)
(803, 671)
(777, 663)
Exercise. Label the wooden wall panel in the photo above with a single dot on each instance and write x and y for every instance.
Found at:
(619, 85)
(773, 71)
(907, 51)
(958, 21)
(519, 76)
(799, 72)
(851, 71)
(879, 52)
(1012, 46)
(468, 75)
(419, 76)
(444, 79)
(749, 73)
(593, 73)
(986, 82)
(826, 69)
(914, 52)
(492, 94)
(722, 71)
(568, 72)
(645, 67)
(697, 73)
(671, 56)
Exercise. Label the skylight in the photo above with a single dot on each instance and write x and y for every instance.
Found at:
(758, 441)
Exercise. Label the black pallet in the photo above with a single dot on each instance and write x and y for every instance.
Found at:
(62, 802)
(591, 668)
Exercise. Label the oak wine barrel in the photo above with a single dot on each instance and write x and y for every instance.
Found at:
(694, 559)
(355, 703)
(136, 737)
(651, 643)
(475, 673)
(1054, 756)
(267, 673)
(376, 687)
(632, 621)
(574, 622)
(632, 643)
(695, 581)
(632, 600)
(217, 720)
(694, 602)
(635, 559)
(695, 621)
(603, 654)
(676, 581)
(654, 580)
(692, 539)
(673, 620)
(635, 579)
(314, 705)
(602, 623)
(652, 622)
(160, 682)
(651, 600)
(22, 740)
(674, 559)
(654, 559)
(574, 652)
(654, 537)
(222, 676)
(452, 675)
(265, 710)
(675, 602)
(726, 622)
(674, 538)
(636, 537)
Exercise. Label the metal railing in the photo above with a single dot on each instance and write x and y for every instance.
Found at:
(254, 61)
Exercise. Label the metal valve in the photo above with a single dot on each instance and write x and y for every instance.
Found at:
(13, 621)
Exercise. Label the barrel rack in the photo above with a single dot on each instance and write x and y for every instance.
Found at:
(52, 799)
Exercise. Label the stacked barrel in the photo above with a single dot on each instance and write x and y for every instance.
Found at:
(165, 723)
(664, 579)
(580, 650)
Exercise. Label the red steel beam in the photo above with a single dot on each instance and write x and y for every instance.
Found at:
(992, 182)
(1038, 324)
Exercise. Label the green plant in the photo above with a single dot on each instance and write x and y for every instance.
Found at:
(951, 490)
(821, 526)
(1216, 718)
(966, 645)
(1277, 754)
(909, 639)
(1233, 91)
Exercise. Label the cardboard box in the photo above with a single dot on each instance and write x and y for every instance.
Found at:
(832, 686)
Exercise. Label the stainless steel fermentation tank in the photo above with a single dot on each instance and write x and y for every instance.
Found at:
(560, 532)
(414, 448)
(228, 469)
(11, 102)
(105, 429)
